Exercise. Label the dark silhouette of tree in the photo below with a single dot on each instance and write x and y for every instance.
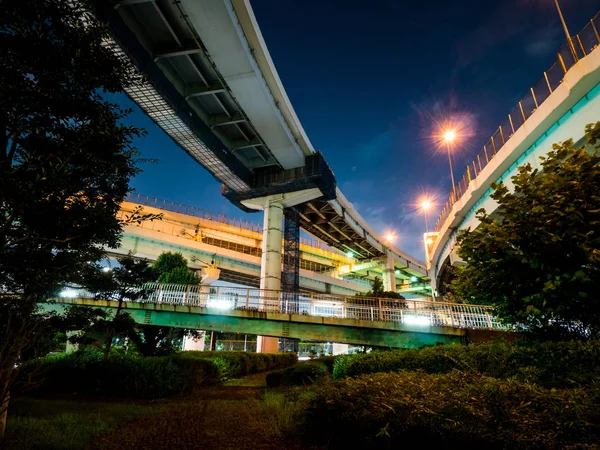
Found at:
(152, 340)
(537, 258)
(121, 284)
(65, 157)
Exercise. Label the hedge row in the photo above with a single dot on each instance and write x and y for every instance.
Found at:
(455, 410)
(300, 374)
(551, 364)
(239, 364)
(124, 375)
(86, 372)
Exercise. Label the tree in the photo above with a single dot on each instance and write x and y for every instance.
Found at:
(537, 258)
(153, 340)
(377, 291)
(122, 283)
(65, 157)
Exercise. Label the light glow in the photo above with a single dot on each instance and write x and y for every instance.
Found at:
(429, 241)
(220, 304)
(425, 205)
(349, 254)
(417, 320)
(449, 135)
(68, 293)
(390, 237)
(414, 279)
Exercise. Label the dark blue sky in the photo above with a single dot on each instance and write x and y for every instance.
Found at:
(368, 79)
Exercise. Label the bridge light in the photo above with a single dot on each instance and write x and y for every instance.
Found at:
(416, 320)
(106, 269)
(68, 293)
(390, 237)
(349, 254)
(397, 271)
(425, 205)
(413, 279)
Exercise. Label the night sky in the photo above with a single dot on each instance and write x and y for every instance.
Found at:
(368, 81)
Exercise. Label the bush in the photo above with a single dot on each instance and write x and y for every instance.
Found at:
(329, 362)
(86, 372)
(551, 364)
(239, 364)
(456, 410)
(300, 374)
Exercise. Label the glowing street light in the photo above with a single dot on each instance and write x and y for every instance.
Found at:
(449, 137)
(390, 237)
(425, 206)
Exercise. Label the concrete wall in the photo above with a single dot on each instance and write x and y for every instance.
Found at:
(564, 114)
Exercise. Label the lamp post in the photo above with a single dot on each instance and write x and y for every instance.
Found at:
(449, 137)
(425, 205)
(564, 24)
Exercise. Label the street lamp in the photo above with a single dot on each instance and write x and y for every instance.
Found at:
(425, 205)
(390, 237)
(564, 24)
(449, 137)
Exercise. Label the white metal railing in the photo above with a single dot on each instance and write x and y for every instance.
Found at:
(419, 312)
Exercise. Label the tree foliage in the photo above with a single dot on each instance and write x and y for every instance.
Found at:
(66, 158)
(537, 258)
(122, 284)
(173, 268)
(377, 291)
(152, 340)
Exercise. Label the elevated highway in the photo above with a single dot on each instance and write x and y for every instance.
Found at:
(235, 247)
(209, 82)
(556, 109)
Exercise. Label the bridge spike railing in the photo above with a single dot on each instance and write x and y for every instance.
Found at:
(421, 312)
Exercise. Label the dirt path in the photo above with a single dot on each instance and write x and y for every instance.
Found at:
(221, 417)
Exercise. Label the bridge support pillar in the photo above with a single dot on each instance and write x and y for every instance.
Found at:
(389, 274)
(270, 263)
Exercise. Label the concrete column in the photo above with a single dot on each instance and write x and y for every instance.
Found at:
(389, 274)
(192, 344)
(270, 263)
(272, 243)
(70, 348)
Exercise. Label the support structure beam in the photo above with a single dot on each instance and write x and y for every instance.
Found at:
(197, 91)
(270, 264)
(389, 275)
(219, 120)
(171, 52)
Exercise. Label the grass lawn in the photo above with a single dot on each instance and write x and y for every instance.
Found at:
(237, 415)
(63, 424)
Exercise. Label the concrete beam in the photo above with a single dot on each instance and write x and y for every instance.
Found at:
(188, 48)
(197, 91)
(219, 120)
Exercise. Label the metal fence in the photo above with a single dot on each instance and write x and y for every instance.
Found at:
(180, 208)
(417, 312)
(566, 57)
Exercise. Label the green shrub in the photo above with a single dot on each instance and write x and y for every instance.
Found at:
(121, 375)
(455, 410)
(300, 374)
(557, 364)
(239, 364)
(329, 362)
